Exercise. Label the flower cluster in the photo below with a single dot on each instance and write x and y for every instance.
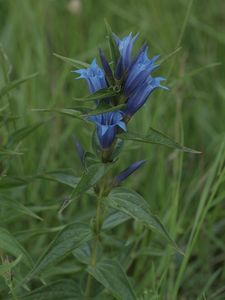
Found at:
(129, 77)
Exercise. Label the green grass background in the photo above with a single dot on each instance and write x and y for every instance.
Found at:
(187, 191)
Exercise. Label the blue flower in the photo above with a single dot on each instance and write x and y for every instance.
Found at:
(125, 46)
(94, 76)
(140, 95)
(139, 71)
(127, 172)
(107, 127)
(139, 83)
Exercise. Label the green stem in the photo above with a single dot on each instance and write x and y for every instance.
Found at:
(98, 223)
(14, 296)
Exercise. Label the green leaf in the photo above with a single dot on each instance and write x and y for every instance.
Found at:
(5, 268)
(111, 275)
(114, 219)
(133, 204)
(22, 133)
(90, 159)
(10, 245)
(74, 62)
(99, 95)
(30, 233)
(156, 137)
(83, 254)
(4, 152)
(60, 177)
(83, 109)
(13, 84)
(64, 270)
(68, 239)
(8, 182)
(114, 49)
(103, 109)
(64, 289)
(89, 178)
(64, 111)
(5, 201)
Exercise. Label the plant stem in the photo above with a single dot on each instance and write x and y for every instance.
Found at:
(98, 223)
(14, 296)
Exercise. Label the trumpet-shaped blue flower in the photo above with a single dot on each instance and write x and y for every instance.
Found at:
(94, 76)
(139, 84)
(140, 95)
(139, 71)
(107, 127)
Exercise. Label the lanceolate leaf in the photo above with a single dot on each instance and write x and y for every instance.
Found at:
(5, 153)
(8, 244)
(63, 111)
(65, 289)
(13, 84)
(5, 268)
(115, 218)
(112, 276)
(156, 137)
(74, 62)
(114, 50)
(68, 239)
(61, 177)
(5, 201)
(99, 95)
(133, 204)
(13, 182)
(90, 177)
(22, 133)
(83, 253)
(8, 182)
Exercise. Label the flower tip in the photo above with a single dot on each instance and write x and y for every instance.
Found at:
(166, 88)
(79, 148)
(127, 172)
(136, 35)
(94, 63)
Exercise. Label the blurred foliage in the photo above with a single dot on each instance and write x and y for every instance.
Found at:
(186, 191)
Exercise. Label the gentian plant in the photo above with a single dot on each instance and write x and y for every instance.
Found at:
(118, 88)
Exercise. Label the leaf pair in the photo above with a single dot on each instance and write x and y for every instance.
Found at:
(67, 240)
(134, 205)
(89, 178)
(108, 272)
